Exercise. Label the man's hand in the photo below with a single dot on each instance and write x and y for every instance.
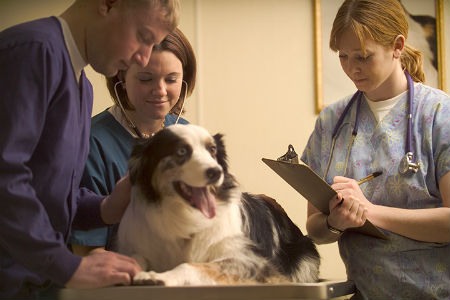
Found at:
(104, 268)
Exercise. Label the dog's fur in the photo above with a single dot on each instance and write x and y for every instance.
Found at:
(189, 224)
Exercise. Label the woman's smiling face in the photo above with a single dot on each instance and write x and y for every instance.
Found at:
(154, 90)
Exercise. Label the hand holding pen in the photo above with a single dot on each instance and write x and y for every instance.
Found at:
(364, 180)
(350, 207)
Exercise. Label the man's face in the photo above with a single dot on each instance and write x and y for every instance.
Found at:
(124, 36)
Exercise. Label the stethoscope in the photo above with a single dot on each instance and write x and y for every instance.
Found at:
(128, 119)
(407, 163)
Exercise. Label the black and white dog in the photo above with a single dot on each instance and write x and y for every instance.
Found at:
(189, 224)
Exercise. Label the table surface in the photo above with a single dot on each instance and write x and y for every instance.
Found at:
(320, 290)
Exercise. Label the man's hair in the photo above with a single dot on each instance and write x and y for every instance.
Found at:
(170, 8)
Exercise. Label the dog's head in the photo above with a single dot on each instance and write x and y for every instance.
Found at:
(181, 161)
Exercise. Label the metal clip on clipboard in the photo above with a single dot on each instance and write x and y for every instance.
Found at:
(290, 156)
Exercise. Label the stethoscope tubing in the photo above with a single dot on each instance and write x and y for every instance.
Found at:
(357, 97)
(410, 107)
(128, 119)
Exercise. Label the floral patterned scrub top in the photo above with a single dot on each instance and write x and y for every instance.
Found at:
(398, 268)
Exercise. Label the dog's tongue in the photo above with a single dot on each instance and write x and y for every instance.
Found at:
(204, 201)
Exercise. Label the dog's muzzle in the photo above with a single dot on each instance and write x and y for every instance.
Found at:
(202, 198)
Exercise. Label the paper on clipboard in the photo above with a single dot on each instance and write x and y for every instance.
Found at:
(305, 181)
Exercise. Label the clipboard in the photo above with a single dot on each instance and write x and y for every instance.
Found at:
(314, 189)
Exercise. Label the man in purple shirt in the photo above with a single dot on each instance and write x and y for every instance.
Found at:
(45, 111)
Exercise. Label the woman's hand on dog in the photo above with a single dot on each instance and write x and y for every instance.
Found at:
(113, 206)
(104, 268)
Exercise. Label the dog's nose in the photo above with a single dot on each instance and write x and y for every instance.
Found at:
(213, 174)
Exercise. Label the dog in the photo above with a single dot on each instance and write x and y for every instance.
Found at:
(188, 223)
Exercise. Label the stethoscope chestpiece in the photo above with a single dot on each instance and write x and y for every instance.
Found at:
(407, 164)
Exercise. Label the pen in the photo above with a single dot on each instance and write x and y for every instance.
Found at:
(369, 177)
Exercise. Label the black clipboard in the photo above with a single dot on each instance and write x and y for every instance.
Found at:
(314, 189)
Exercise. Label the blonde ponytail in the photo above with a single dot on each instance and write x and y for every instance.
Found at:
(412, 62)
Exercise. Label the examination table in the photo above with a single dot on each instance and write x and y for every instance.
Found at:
(310, 291)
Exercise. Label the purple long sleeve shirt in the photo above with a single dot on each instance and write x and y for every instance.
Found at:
(44, 140)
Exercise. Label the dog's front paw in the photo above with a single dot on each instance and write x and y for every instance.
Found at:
(147, 278)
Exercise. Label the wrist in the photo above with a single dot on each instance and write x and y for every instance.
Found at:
(333, 229)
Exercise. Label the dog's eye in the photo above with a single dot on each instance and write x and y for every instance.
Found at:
(182, 151)
(212, 149)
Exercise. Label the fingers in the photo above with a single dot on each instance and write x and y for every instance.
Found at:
(351, 212)
(119, 278)
(129, 265)
(341, 183)
(336, 201)
(340, 179)
(357, 213)
(347, 213)
(101, 269)
(123, 269)
(120, 263)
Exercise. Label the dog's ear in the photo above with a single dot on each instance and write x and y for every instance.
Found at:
(135, 159)
(221, 153)
(141, 164)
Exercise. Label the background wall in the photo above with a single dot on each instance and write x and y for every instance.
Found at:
(255, 85)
